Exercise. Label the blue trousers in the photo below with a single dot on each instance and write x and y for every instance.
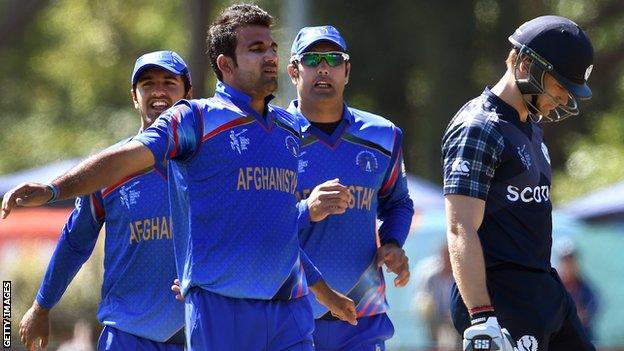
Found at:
(368, 335)
(219, 323)
(534, 306)
(113, 339)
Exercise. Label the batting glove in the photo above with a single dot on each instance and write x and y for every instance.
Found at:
(485, 334)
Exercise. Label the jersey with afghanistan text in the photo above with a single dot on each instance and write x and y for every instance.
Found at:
(491, 155)
(139, 264)
(232, 178)
(364, 152)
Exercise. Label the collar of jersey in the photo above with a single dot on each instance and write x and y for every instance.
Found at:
(504, 110)
(242, 101)
(306, 126)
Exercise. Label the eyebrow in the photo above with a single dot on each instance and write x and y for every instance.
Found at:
(260, 42)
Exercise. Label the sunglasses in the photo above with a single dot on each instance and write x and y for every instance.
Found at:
(313, 59)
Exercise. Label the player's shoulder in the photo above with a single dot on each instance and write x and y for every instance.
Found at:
(286, 120)
(370, 120)
(374, 128)
(475, 118)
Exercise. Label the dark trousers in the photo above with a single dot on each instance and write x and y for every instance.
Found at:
(534, 306)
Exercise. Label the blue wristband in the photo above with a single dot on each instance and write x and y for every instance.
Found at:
(55, 192)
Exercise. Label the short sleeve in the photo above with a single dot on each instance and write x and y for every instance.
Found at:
(471, 150)
(176, 134)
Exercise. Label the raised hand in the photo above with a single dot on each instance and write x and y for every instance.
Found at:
(328, 198)
(26, 195)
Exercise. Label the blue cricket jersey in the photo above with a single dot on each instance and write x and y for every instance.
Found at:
(364, 152)
(232, 179)
(491, 155)
(139, 265)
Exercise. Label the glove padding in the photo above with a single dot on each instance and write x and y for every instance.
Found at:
(488, 336)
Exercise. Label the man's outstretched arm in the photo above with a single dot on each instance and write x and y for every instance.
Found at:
(96, 172)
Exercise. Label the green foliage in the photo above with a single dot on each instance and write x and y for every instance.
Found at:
(64, 88)
(65, 82)
(595, 160)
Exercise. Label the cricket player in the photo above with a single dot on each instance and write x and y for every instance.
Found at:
(232, 182)
(136, 309)
(497, 179)
(363, 150)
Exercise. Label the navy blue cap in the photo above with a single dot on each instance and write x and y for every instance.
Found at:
(564, 45)
(308, 36)
(168, 60)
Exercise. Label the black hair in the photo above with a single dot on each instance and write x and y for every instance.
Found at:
(221, 37)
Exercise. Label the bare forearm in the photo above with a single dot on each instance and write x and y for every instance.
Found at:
(104, 169)
(468, 266)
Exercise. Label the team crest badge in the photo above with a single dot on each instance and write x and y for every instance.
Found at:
(292, 145)
(366, 160)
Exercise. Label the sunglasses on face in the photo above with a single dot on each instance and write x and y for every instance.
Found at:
(313, 59)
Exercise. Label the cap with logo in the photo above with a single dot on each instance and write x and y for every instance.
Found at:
(168, 60)
(564, 46)
(309, 36)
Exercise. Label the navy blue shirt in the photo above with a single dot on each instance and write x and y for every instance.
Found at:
(488, 153)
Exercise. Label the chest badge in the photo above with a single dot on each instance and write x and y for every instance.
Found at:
(128, 196)
(292, 145)
(367, 161)
(525, 157)
(238, 141)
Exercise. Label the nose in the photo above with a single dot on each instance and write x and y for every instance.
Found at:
(323, 67)
(271, 57)
(159, 90)
(564, 98)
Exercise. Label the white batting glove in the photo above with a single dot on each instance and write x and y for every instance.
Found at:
(485, 334)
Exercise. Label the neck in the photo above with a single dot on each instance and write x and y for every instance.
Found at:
(257, 98)
(257, 104)
(508, 91)
(326, 112)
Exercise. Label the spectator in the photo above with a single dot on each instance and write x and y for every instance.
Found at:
(433, 299)
(584, 295)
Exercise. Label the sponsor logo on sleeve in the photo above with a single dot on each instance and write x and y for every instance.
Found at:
(460, 167)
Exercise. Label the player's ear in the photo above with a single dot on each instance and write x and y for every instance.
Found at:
(189, 94)
(293, 72)
(347, 72)
(134, 98)
(225, 64)
(525, 65)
